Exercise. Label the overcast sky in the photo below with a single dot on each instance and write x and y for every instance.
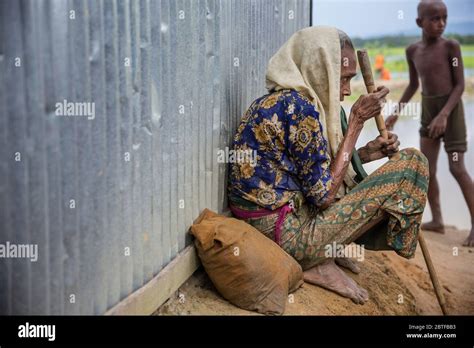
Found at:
(367, 18)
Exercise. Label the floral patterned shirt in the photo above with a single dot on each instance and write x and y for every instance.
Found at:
(287, 154)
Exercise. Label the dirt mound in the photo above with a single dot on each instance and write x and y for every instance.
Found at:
(396, 286)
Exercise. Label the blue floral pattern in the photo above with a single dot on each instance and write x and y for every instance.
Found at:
(283, 130)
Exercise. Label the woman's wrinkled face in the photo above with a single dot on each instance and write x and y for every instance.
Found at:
(348, 71)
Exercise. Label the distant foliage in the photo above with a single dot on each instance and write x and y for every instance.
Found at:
(397, 41)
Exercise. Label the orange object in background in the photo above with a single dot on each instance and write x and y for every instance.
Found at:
(385, 74)
(379, 61)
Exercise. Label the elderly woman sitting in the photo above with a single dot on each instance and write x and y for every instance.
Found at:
(307, 189)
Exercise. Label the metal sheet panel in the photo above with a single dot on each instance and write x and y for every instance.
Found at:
(108, 199)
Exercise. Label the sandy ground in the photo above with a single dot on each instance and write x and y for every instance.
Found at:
(396, 286)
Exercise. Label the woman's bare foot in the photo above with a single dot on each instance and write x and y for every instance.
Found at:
(433, 226)
(331, 277)
(351, 265)
(469, 242)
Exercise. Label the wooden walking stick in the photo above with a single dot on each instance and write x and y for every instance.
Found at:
(434, 278)
(366, 69)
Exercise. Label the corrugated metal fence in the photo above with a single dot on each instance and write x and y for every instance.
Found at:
(156, 88)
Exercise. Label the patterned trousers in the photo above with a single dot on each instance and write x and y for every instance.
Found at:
(394, 194)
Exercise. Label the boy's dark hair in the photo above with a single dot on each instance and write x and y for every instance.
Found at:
(424, 4)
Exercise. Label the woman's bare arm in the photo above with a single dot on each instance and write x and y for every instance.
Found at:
(366, 107)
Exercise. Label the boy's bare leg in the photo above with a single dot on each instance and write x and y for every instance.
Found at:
(470, 239)
(430, 148)
(458, 170)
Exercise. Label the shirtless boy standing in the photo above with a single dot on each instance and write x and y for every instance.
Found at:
(438, 63)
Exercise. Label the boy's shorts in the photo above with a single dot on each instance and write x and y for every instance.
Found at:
(455, 135)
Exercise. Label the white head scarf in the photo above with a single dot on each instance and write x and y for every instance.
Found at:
(310, 62)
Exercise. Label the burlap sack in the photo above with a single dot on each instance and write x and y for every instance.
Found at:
(247, 268)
